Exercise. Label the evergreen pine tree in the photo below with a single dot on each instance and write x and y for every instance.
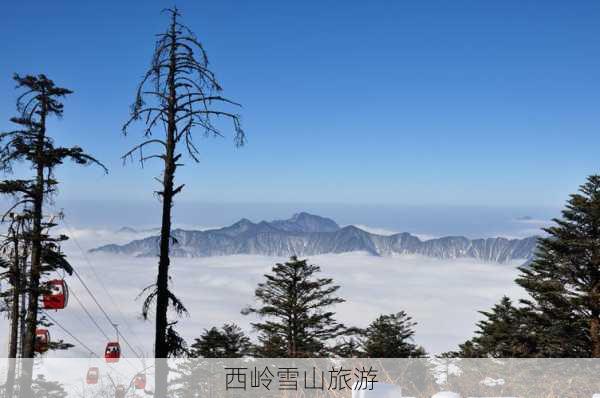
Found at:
(270, 345)
(295, 311)
(506, 332)
(564, 279)
(42, 388)
(391, 336)
(227, 342)
(349, 347)
(32, 144)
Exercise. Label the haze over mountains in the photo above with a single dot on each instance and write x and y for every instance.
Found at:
(307, 235)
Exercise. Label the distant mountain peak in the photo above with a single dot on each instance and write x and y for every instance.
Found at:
(303, 215)
(306, 234)
(237, 228)
(306, 222)
(352, 227)
(127, 230)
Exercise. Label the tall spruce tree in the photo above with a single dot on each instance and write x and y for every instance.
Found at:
(391, 336)
(349, 347)
(270, 345)
(180, 95)
(31, 143)
(194, 376)
(564, 279)
(296, 310)
(505, 332)
(43, 388)
(229, 341)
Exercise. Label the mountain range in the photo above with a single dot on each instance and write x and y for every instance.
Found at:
(306, 234)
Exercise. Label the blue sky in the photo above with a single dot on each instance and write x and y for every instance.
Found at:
(454, 103)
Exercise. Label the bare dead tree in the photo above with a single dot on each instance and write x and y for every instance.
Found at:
(180, 95)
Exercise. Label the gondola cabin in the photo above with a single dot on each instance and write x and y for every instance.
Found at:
(120, 391)
(92, 375)
(42, 340)
(112, 352)
(57, 295)
(140, 381)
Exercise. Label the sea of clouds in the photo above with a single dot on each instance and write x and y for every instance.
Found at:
(443, 296)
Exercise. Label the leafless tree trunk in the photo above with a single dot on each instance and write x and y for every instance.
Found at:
(162, 280)
(183, 94)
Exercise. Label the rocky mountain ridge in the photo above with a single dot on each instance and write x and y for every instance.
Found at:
(305, 234)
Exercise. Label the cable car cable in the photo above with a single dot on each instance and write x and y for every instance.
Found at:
(93, 268)
(71, 334)
(90, 316)
(102, 310)
(99, 305)
(95, 323)
(84, 309)
(80, 342)
(87, 312)
(106, 291)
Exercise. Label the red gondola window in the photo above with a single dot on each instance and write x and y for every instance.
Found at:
(92, 375)
(140, 381)
(42, 340)
(112, 352)
(57, 296)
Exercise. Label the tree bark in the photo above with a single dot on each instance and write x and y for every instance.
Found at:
(595, 335)
(162, 282)
(23, 305)
(36, 261)
(14, 319)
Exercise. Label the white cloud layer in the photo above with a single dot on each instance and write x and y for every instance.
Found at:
(442, 296)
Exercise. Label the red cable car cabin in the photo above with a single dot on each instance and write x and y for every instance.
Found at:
(92, 376)
(112, 352)
(140, 381)
(57, 296)
(42, 340)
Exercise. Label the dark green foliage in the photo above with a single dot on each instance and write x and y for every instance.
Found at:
(195, 376)
(176, 345)
(506, 332)
(42, 388)
(564, 280)
(271, 345)
(295, 311)
(227, 342)
(31, 144)
(349, 347)
(561, 316)
(391, 336)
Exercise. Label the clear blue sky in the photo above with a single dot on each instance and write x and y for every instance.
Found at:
(407, 102)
